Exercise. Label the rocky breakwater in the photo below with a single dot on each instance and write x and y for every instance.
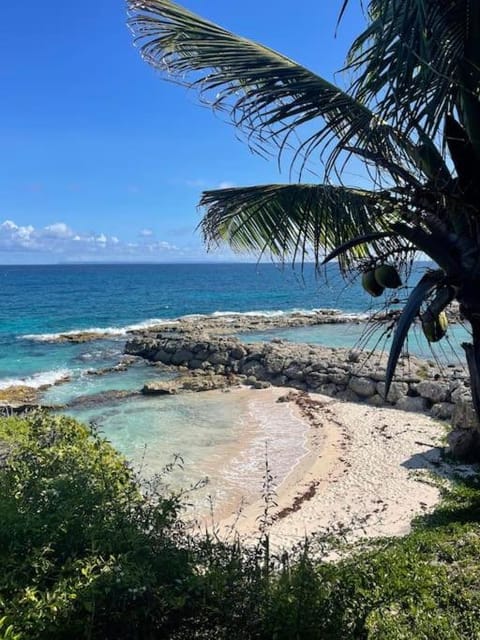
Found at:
(343, 373)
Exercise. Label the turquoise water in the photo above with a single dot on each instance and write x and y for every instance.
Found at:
(356, 335)
(39, 302)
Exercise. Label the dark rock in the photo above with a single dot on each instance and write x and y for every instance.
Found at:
(182, 357)
(464, 444)
(442, 410)
(159, 388)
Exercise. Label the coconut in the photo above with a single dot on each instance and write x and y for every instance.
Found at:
(387, 276)
(370, 284)
(435, 329)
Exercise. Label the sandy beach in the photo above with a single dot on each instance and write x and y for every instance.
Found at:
(367, 472)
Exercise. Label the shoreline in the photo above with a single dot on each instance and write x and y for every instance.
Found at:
(368, 473)
(358, 475)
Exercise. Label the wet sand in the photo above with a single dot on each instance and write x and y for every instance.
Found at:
(366, 472)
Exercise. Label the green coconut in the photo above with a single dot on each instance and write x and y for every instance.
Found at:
(435, 329)
(387, 277)
(370, 284)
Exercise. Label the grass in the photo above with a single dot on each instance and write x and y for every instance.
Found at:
(88, 553)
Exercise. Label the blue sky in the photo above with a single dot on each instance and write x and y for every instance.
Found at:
(101, 158)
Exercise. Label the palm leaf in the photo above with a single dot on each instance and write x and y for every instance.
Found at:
(411, 56)
(420, 293)
(346, 246)
(462, 152)
(297, 222)
(266, 94)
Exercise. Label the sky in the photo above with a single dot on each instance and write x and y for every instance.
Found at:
(104, 160)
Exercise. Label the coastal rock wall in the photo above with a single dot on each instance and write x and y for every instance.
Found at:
(342, 373)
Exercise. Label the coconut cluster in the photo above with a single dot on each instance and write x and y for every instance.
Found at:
(383, 277)
(386, 276)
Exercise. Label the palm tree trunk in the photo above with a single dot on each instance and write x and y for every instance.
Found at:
(472, 351)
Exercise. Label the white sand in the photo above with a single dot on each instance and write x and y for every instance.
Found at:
(368, 473)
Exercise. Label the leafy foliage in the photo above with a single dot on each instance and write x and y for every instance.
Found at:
(87, 553)
(274, 218)
(83, 552)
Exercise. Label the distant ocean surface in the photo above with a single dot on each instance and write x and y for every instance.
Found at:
(38, 302)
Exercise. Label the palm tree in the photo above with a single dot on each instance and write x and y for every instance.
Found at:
(411, 116)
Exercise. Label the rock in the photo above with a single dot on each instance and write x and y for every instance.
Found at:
(172, 346)
(274, 363)
(397, 390)
(315, 379)
(364, 387)
(376, 401)
(464, 444)
(96, 399)
(295, 372)
(328, 389)
(159, 388)
(442, 410)
(182, 357)
(79, 337)
(348, 396)
(378, 374)
(434, 391)
(464, 416)
(354, 356)
(407, 403)
(338, 377)
(461, 392)
(218, 358)
(162, 356)
(17, 396)
(261, 384)
(238, 352)
(288, 397)
(253, 368)
(197, 364)
(205, 382)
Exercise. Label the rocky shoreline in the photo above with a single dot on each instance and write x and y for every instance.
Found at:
(205, 353)
(211, 350)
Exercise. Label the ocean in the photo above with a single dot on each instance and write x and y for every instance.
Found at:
(38, 302)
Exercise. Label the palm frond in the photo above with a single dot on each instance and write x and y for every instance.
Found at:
(266, 94)
(414, 57)
(299, 222)
(420, 293)
(346, 246)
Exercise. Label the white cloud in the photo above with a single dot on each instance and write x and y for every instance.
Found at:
(59, 240)
(13, 235)
(146, 233)
(226, 185)
(57, 230)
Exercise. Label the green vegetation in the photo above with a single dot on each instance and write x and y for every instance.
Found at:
(410, 122)
(87, 553)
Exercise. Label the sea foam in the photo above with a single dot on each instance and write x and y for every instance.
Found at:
(37, 380)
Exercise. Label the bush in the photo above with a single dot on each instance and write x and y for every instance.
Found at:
(88, 553)
(84, 553)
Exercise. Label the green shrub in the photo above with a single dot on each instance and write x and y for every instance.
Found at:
(83, 552)
(87, 552)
